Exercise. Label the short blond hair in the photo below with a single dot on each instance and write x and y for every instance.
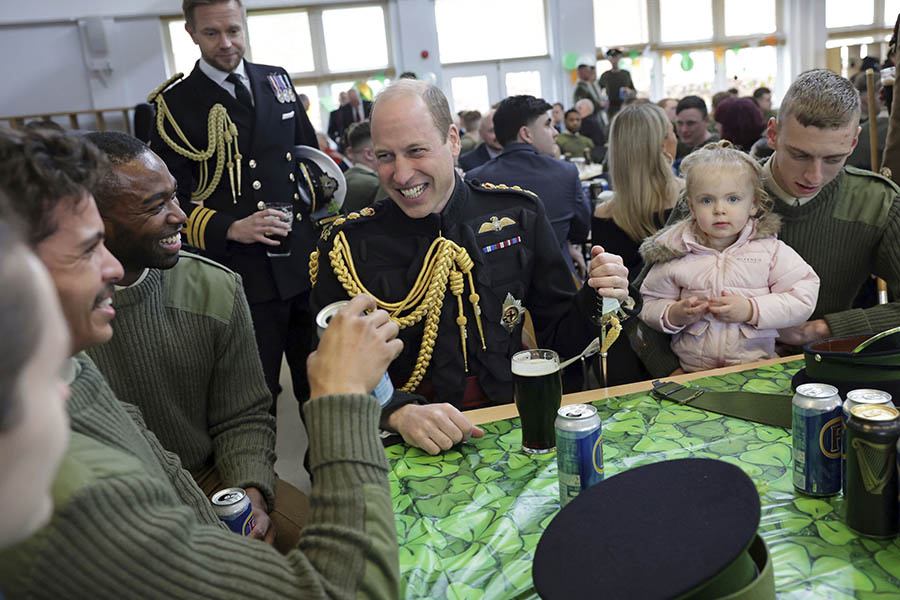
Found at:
(430, 94)
(820, 98)
(720, 155)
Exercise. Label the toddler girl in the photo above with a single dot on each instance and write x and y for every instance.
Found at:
(721, 282)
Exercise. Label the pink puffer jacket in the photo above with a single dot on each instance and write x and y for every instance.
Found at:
(758, 266)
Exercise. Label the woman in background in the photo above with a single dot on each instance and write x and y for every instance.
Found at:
(642, 148)
(740, 121)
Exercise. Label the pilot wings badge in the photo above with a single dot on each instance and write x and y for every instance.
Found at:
(495, 224)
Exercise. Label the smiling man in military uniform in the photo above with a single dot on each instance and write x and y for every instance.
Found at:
(464, 256)
(227, 134)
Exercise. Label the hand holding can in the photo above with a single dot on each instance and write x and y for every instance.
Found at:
(355, 349)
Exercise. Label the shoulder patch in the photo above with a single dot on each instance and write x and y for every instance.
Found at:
(865, 197)
(201, 286)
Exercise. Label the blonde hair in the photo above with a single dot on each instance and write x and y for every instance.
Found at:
(722, 155)
(644, 183)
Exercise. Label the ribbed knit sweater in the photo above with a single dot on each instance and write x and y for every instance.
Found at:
(183, 351)
(851, 229)
(128, 522)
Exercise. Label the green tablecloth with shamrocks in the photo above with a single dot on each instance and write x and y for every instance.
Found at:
(468, 521)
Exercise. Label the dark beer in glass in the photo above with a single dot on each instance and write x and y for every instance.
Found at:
(538, 392)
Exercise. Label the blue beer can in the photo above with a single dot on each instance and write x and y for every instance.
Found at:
(579, 450)
(817, 429)
(233, 507)
(384, 391)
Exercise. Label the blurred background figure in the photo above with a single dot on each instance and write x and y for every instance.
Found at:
(34, 428)
(740, 121)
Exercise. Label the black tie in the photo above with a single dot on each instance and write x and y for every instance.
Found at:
(240, 90)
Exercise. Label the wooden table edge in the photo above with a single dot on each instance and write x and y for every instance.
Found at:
(508, 411)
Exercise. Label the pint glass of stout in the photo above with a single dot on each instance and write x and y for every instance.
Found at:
(538, 393)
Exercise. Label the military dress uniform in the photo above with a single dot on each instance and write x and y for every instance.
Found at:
(515, 265)
(262, 169)
(555, 182)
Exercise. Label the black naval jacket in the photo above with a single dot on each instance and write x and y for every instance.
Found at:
(266, 138)
(388, 249)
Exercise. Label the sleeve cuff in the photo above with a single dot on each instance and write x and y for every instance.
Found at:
(206, 230)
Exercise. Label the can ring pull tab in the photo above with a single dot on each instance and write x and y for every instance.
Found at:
(674, 392)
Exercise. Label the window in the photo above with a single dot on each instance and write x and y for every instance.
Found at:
(524, 82)
(750, 68)
(747, 18)
(470, 93)
(618, 23)
(685, 20)
(842, 13)
(698, 80)
(184, 51)
(282, 38)
(891, 9)
(468, 29)
(355, 38)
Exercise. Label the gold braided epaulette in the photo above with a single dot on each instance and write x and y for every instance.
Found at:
(166, 85)
(506, 188)
(329, 228)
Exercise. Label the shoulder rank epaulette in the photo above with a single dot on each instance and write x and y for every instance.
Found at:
(368, 211)
(166, 85)
(881, 176)
(502, 186)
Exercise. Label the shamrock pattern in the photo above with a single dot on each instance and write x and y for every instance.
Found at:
(468, 521)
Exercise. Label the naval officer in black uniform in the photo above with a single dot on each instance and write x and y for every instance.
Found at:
(227, 218)
(496, 240)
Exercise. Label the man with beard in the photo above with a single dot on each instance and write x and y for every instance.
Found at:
(226, 181)
(184, 351)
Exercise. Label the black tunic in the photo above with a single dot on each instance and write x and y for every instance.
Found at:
(388, 249)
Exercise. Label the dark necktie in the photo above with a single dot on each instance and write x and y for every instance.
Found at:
(240, 90)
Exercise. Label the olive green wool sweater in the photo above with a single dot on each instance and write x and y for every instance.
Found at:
(851, 229)
(183, 351)
(129, 522)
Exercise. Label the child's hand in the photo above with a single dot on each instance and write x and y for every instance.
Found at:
(687, 311)
(731, 309)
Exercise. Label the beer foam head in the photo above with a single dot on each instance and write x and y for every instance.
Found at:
(534, 367)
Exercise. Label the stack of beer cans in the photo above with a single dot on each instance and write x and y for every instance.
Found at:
(851, 446)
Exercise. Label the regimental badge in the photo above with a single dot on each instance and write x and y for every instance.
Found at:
(495, 224)
(511, 313)
(328, 184)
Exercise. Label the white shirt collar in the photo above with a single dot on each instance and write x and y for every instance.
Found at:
(219, 76)
(70, 370)
(769, 181)
(137, 282)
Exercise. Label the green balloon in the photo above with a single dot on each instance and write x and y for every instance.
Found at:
(687, 63)
(633, 54)
(570, 61)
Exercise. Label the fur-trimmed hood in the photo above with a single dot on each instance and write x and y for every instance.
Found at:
(669, 242)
